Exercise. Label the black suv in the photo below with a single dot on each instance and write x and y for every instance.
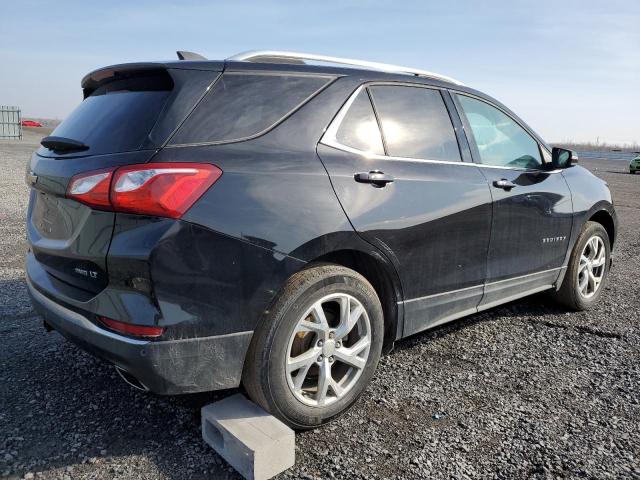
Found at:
(278, 224)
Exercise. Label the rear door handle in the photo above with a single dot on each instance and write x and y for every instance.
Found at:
(374, 177)
(504, 184)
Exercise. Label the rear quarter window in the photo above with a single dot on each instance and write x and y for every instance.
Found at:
(359, 128)
(242, 105)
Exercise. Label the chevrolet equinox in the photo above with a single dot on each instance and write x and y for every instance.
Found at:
(279, 220)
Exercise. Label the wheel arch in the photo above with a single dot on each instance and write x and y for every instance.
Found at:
(604, 218)
(376, 271)
(602, 213)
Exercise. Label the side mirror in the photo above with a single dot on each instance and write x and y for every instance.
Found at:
(563, 158)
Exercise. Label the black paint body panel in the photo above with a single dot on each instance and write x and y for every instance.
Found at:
(70, 239)
(433, 222)
(590, 195)
(538, 207)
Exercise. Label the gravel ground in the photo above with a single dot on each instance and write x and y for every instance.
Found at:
(526, 389)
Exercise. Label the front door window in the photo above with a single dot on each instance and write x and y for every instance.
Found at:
(501, 141)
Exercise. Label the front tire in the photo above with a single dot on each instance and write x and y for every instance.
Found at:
(317, 348)
(588, 269)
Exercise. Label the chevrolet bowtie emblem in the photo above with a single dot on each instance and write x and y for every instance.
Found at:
(31, 178)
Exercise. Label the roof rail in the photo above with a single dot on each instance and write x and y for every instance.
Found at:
(275, 56)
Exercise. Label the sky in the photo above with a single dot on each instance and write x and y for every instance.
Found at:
(569, 68)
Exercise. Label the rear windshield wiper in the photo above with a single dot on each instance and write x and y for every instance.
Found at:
(63, 144)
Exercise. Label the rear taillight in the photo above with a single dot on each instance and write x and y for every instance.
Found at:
(159, 189)
(130, 329)
(91, 188)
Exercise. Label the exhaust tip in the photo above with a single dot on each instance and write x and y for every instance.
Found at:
(131, 380)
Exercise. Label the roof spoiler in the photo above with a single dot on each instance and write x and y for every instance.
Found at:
(93, 79)
(96, 78)
(183, 55)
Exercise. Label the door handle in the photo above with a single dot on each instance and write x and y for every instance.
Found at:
(504, 184)
(375, 177)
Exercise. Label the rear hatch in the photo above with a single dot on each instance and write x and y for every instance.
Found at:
(127, 114)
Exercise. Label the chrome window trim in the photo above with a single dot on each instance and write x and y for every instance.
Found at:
(518, 169)
(329, 138)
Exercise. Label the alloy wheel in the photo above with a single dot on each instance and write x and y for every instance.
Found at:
(591, 267)
(328, 350)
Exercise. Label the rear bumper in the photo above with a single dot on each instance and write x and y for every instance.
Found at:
(163, 367)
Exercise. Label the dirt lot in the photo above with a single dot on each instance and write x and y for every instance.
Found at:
(526, 389)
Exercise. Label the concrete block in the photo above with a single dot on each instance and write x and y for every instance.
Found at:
(255, 443)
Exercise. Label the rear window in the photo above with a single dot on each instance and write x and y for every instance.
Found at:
(118, 116)
(242, 105)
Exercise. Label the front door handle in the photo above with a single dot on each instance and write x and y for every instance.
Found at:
(504, 184)
(374, 177)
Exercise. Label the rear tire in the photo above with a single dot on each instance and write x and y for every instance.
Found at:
(308, 326)
(588, 269)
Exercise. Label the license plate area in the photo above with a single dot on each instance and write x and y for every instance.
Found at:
(53, 217)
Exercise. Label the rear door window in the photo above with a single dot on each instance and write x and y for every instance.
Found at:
(415, 123)
(242, 105)
(118, 116)
(359, 127)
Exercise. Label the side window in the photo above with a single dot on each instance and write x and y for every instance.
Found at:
(243, 105)
(415, 123)
(500, 140)
(359, 128)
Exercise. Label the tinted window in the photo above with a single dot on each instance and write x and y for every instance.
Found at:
(242, 105)
(118, 116)
(415, 123)
(500, 140)
(359, 128)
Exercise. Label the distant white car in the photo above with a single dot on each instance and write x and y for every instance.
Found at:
(634, 166)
